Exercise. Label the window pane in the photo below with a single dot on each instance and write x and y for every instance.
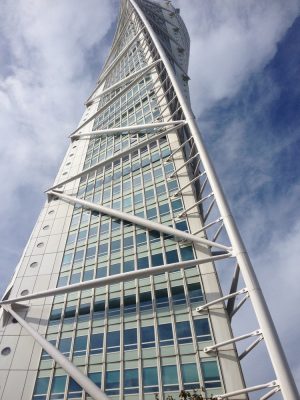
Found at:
(169, 374)
(95, 377)
(183, 331)
(211, 374)
(150, 376)
(190, 376)
(58, 384)
(165, 334)
(131, 378)
(130, 339)
(112, 379)
(41, 386)
(113, 341)
(202, 329)
(147, 336)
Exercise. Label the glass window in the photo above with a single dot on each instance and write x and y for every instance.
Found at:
(71, 238)
(128, 266)
(88, 275)
(170, 377)
(67, 259)
(58, 386)
(91, 251)
(112, 382)
(178, 295)
(190, 376)
(113, 341)
(130, 304)
(157, 260)
(99, 310)
(74, 390)
(75, 278)
(184, 333)
(62, 281)
(115, 269)
(115, 245)
(41, 387)
(165, 334)
(187, 253)
(131, 381)
(211, 374)
(195, 292)
(78, 255)
(114, 307)
(147, 337)
(82, 235)
(128, 242)
(80, 346)
(164, 209)
(141, 238)
(64, 346)
(143, 262)
(172, 256)
(182, 226)
(145, 301)
(177, 205)
(93, 231)
(95, 377)
(202, 329)
(96, 343)
(151, 213)
(103, 249)
(150, 379)
(162, 298)
(130, 339)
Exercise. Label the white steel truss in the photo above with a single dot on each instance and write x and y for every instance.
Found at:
(186, 122)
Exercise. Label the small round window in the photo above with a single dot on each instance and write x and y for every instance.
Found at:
(46, 227)
(71, 155)
(68, 163)
(6, 351)
(65, 173)
(51, 212)
(33, 265)
(24, 292)
(40, 245)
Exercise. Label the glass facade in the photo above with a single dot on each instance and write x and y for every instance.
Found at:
(143, 337)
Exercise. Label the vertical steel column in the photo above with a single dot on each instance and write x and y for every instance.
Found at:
(277, 356)
(82, 380)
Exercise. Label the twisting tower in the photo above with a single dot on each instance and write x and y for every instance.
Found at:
(116, 294)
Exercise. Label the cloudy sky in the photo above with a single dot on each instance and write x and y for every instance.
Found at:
(245, 67)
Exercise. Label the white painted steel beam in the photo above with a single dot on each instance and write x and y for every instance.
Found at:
(230, 341)
(221, 299)
(117, 156)
(250, 347)
(246, 390)
(270, 393)
(87, 384)
(138, 74)
(151, 225)
(114, 279)
(184, 212)
(125, 130)
(119, 56)
(277, 356)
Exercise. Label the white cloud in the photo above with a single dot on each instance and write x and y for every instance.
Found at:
(231, 39)
(48, 50)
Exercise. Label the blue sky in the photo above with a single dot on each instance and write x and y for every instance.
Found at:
(245, 93)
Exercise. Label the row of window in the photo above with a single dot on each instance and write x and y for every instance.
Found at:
(131, 381)
(115, 267)
(130, 304)
(146, 337)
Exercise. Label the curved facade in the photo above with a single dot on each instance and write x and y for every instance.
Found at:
(119, 273)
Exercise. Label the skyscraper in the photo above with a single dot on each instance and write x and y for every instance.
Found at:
(117, 290)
